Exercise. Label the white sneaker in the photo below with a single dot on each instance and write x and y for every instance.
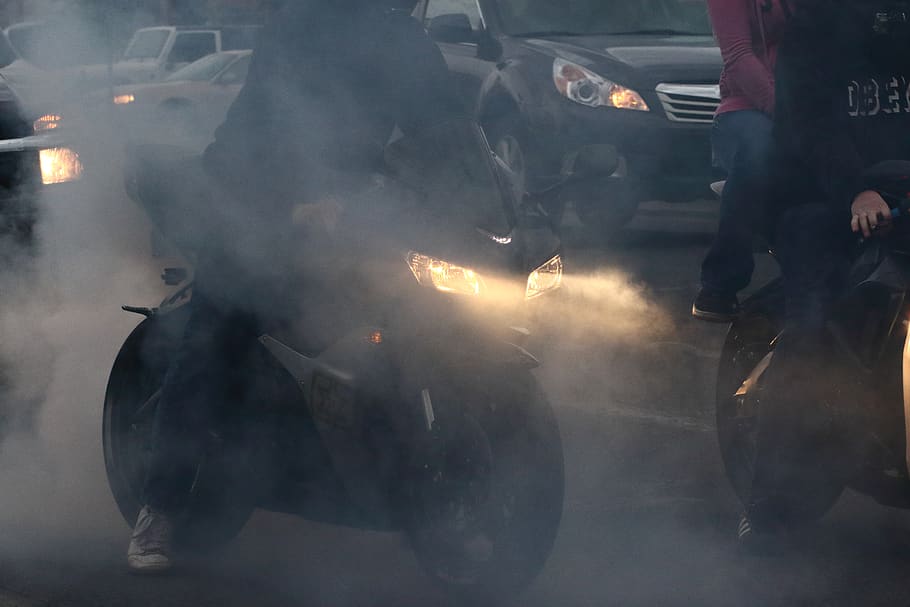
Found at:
(150, 546)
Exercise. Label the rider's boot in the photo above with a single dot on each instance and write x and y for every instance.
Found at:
(150, 548)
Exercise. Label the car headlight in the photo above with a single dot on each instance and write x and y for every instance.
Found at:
(48, 122)
(444, 276)
(583, 86)
(60, 165)
(545, 278)
(125, 99)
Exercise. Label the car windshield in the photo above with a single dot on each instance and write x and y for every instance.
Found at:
(203, 70)
(617, 17)
(147, 44)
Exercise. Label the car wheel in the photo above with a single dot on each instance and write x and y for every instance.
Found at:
(510, 141)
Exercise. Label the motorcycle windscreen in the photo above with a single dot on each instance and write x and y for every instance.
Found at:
(451, 166)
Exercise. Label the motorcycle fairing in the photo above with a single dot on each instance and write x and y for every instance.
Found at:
(340, 414)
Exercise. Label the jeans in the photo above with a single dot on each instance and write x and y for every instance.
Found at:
(813, 246)
(742, 147)
(201, 387)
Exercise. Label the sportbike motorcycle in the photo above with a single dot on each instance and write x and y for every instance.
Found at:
(402, 398)
(858, 436)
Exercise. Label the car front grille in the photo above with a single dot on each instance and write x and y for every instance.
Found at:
(689, 102)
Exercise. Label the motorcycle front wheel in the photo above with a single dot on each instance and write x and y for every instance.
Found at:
(486, 497)
(748, 342)
(213, 518)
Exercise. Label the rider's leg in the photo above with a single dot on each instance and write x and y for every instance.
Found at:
(742, 144)
(813, 248)
(196, 386)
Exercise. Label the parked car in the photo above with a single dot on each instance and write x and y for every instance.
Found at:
(53, 44)
(191, 102)
(545, 78)
(156, 52)
(48, 57)
(33, 155)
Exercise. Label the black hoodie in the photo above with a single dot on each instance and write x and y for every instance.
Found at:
(328, 84)
(843, 97)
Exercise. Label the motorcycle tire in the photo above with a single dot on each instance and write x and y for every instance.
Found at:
(485, 509)
(748, 341)
(129, 406)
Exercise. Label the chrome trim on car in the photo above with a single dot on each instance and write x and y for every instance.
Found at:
(689, 102)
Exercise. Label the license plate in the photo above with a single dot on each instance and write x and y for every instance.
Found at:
(332, 402)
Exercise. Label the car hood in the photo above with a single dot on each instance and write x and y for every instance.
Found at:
(647, 60)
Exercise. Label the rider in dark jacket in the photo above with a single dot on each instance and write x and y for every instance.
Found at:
(843, 105)
(328, 85)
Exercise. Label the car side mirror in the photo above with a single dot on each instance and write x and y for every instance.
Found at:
(599, 160)
(452, 28)
(488, 47)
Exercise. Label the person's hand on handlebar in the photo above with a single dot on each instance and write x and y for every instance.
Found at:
(870, 213)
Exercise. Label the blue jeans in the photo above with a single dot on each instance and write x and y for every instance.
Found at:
(742, 147)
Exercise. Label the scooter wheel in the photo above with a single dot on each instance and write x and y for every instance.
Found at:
(748, 342)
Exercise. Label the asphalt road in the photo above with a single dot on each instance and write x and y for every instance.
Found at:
(649, 519)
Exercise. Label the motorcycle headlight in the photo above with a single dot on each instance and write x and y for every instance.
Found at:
(545, 278)
(60, 165)
(583, 86)
(444, 276)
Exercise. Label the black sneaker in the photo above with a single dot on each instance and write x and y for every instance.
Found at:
(715, 307)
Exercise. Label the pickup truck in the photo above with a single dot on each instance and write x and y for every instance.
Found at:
(155, 52)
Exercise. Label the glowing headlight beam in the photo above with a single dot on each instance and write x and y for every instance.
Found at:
(60, 165)
(547, 277)
(444, 276)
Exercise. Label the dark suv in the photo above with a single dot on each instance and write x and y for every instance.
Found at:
(546, 77)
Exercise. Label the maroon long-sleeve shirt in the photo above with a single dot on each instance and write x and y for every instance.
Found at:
(748, 32)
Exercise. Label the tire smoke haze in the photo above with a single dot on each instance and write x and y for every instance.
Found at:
(61, 328)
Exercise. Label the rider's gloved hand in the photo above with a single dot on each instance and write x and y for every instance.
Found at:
(322, 214)
(870, 213)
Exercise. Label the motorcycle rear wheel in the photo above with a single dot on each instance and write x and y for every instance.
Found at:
(748, 342)
(484, 515)
(129, 407)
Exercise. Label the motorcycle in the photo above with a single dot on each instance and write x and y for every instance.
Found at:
(411, 406)
(860, 433)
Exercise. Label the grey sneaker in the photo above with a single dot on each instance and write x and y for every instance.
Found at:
(150, 546)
